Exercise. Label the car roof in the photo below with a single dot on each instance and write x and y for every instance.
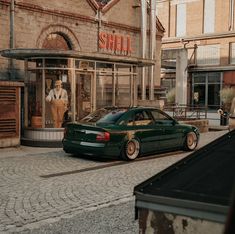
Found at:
(131, 108)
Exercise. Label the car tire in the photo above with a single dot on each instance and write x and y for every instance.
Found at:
(131, 150)
(191, 141)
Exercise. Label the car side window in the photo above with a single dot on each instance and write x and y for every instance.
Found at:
(128, 120)
(159, 117)
(142, 118)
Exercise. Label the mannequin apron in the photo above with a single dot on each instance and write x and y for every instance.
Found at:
(57, 111)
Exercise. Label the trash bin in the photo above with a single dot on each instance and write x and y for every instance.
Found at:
(224, 119)
(181, 198)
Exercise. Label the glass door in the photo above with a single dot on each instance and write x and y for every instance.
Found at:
(205, 88)
(199, 95)
(105, 85)
(124, 85)
(83, 93)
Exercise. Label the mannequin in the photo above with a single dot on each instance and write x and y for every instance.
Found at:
(58, 98)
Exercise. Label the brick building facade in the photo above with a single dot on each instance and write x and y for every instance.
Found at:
(78, 21)
(205, 28)
(93, 47)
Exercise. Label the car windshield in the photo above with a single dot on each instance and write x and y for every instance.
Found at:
(104, 116)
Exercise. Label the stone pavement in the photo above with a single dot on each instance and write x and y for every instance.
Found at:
(31, 202)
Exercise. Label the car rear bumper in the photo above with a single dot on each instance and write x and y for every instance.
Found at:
(107, 150)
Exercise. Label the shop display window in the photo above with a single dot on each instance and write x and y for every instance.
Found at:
(48, 94)
(104, 89)
(84, 65)
(63, 90)
(58, 63)
(35, 98)
(123, 90)
(57, 98)
(83, 93)
(104, 84)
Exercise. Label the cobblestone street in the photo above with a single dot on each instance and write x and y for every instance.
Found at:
(79, 197)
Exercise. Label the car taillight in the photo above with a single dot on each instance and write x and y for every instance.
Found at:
(103, 136)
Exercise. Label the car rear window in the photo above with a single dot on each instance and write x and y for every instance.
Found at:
(103, 115)
(112, 117)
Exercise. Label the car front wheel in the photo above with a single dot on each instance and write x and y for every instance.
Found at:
(191, 141)
(131, 150)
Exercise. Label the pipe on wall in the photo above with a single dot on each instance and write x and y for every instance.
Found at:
(152, 46)
(12, 37)
(143, 45)
(231, 15)
(12, 19)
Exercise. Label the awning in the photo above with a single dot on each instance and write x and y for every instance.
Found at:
(44, 53)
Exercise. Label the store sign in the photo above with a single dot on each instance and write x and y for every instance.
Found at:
(116, 43)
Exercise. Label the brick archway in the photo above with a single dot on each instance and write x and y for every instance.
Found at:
(62, 30)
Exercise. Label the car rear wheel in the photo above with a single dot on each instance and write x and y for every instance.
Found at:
(191, 141)
(131, 150)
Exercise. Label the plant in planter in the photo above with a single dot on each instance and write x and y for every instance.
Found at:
(226, 96)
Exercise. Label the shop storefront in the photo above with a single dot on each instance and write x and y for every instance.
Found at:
(63, 86)
(206, 88)
(78, 56)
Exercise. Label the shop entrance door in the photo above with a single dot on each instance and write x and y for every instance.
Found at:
(83, 94)
(205, 88)
(199, 95)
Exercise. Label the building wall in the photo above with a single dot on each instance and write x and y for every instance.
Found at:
(201, 31)
(194, 23)
(222, 16)
(195, 16)
(71, 6)
(5, 35)
(222, 35)
(77, 19)
(130, 15)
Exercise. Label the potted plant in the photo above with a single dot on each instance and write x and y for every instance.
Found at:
(226, 96)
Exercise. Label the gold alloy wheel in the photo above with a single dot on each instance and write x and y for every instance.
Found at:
(191, 141)
(132, 149)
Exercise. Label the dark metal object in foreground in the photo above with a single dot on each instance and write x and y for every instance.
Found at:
(199, 186)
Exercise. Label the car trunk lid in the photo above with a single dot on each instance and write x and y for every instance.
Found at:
(86, 132)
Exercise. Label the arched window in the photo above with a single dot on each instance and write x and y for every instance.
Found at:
(56, 41)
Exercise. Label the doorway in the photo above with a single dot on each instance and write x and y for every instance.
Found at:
(205, 89)
(83, 94)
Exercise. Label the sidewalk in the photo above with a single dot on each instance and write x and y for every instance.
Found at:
(33, 204)
(25, 150)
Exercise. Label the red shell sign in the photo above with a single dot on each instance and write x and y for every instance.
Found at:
(116, 43)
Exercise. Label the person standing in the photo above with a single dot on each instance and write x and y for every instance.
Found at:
(58, 98)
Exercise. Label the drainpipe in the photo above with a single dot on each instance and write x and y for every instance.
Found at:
(143, 45)
(231, 16)
(152, 46)
(12, 36)
(98, 18)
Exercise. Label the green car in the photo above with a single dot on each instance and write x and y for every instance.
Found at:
(127, 133)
